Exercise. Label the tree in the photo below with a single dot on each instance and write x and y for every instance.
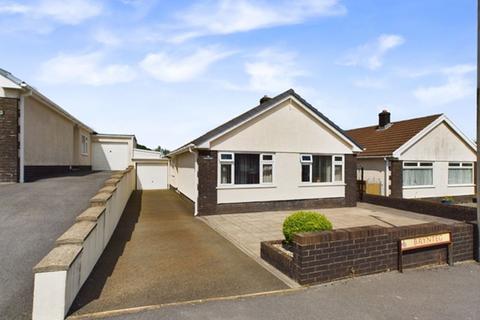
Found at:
(142, 147)
(163, 151)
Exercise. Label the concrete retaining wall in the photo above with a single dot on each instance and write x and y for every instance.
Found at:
(62, 272)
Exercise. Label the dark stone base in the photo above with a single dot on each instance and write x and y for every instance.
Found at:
(32, 173)
(283, 205)
(456, 199)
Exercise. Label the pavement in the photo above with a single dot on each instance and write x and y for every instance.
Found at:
(32, 216)
(160, 253)
(248, 230)
(441, 293)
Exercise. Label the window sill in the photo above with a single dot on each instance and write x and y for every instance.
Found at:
(461, 185)
(84, 154)
(246, 186)
(320, 184)
(418, 187)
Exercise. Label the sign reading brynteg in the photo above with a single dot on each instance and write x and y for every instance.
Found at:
(426, 241)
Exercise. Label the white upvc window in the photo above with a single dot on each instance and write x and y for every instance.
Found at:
(417, 174)
(246, 168)
(227, 167)
(322, 168)
(460, 173)
(84, 144)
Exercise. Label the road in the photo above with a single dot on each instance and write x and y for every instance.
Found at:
(438, 293)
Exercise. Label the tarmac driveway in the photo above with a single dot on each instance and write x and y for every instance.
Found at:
(32, 216)
(160, 253)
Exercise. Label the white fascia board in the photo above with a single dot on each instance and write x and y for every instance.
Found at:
(397, 153)
(7, 83)
(182, 150)
(206, 144)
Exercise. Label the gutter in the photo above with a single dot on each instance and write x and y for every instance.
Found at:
(183, 149)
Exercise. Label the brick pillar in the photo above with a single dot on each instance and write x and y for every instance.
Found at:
(351, 180)
(9, 161)
(396, 179)
(207, 182)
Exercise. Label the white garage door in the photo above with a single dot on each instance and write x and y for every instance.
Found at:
(152, 176)
(110, 156)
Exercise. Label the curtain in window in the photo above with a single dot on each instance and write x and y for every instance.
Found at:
(322, 169)
(417, 177)
(247, 168)
(460, 176)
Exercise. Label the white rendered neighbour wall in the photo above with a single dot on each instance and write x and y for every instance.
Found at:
(440, 146)
(182, 174)
(373, 171)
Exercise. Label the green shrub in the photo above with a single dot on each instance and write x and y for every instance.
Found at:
(304, 221)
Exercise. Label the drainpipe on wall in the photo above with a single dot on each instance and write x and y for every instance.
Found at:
(195, 154)
(385, 178)
(21, 120)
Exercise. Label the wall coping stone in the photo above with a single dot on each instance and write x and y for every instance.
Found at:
(117, 175)
(91, 214)
(111, 182)
(77, 233)
(59, 259)
(100, 199)
(108, 189)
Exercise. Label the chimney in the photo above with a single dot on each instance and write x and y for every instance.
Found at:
(383, 119)
(265, 99)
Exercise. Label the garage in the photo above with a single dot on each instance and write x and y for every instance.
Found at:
(110, 156)
(152, 174)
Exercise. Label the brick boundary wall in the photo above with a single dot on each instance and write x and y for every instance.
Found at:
(454, 212)
(207, 191)
(9, 161)
(332, 255)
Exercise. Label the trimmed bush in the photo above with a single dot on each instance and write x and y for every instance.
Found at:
(304, 221)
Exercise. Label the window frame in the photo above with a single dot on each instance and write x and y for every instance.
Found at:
(418, 165)
(232, 163)
(456, 165)
(310, 164)
(84, 145)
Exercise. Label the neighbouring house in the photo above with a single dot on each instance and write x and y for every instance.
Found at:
(283, 154)
(38, 138)
(427, 157)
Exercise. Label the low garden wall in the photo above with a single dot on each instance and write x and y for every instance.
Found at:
(332, 255)
(454, 212)
(62, 272)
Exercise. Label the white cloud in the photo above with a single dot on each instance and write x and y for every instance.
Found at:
(107, 38)
(230, 16)
(458, 85)
(270, 70)
(370, 83)
(172, 68)
(371, 54)
(69, 12)
(84, 69)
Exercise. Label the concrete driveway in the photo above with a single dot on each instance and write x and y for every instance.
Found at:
(160, 253)
(32, 216)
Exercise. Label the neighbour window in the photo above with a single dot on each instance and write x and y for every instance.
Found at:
(460, 173)
(84, 144)
(246, 168)
(321, 169)
(417, 174)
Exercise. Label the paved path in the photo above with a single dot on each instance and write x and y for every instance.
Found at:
(248, 230)
(443, 293)
(160, 253)
(32, 216)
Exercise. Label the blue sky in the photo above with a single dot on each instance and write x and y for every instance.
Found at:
(168, 71)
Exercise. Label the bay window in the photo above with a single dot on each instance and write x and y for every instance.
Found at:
(246, 168)
(460, 173)
(417, 174)
(321, 168)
